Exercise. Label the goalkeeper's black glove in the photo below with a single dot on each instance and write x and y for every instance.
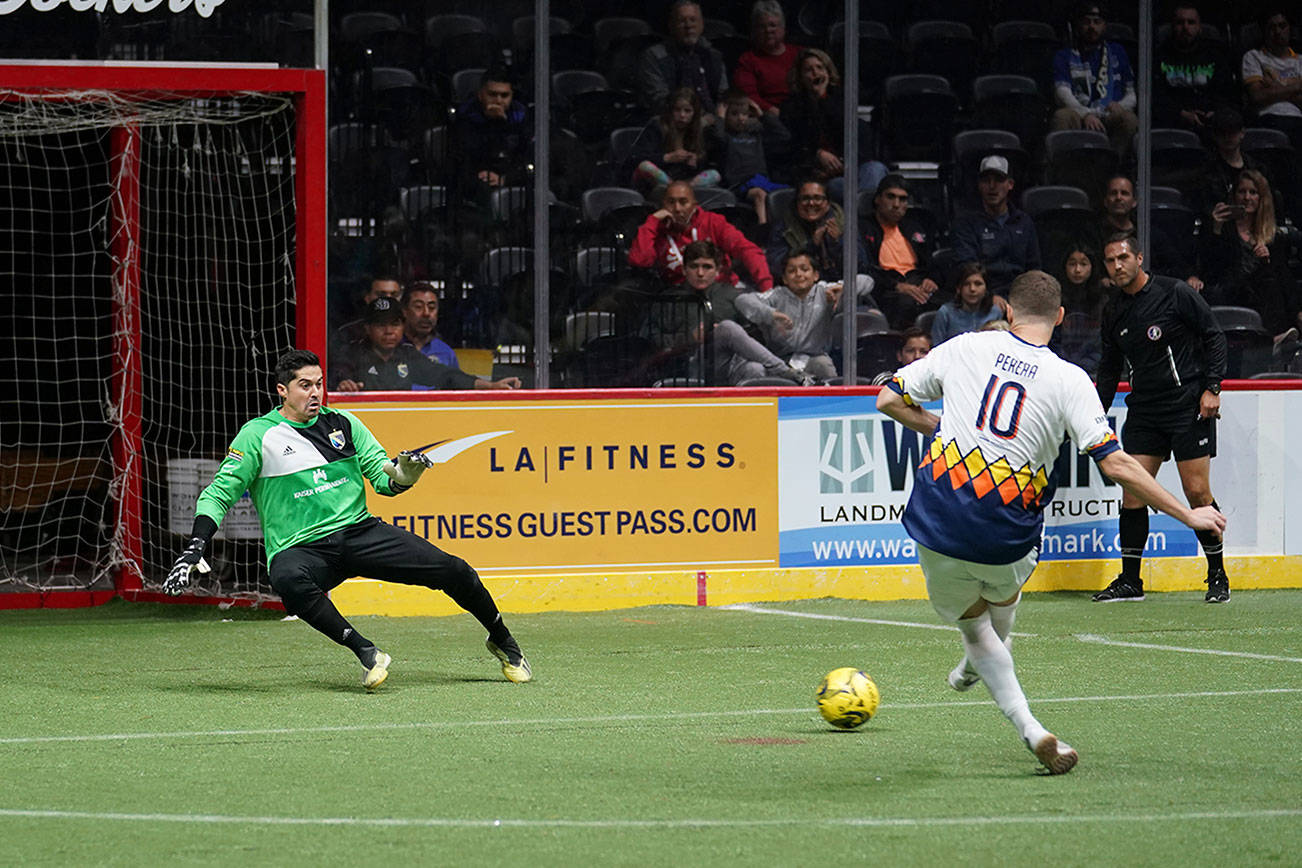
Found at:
(406, 467)
(183, 570)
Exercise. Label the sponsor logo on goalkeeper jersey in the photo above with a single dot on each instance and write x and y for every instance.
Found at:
(321, 483)
(337, 439)
(568, 457)
(235, 453)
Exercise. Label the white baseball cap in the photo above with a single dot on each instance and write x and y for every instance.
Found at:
(994, 164)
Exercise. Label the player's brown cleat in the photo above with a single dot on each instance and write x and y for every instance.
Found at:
(514, 666)
(374, 676)
(1056, 756)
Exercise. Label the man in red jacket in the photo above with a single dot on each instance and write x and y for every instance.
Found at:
(660, 241)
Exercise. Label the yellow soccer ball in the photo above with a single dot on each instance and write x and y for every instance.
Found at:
(847, 698)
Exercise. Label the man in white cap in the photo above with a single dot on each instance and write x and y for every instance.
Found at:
(999, 236)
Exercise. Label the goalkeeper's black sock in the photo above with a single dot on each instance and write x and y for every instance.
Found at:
(1213, 548)
(321, 614)
(471, 595)
(1133, 527)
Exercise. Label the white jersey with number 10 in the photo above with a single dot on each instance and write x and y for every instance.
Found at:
(987, 474)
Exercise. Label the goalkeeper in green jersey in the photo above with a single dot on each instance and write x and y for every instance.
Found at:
(304, 465)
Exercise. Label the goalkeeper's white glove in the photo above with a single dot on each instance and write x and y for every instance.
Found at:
(182, 571)
(406, 467)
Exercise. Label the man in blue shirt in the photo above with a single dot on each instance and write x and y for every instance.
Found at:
(1093, 82)
(420, 322)
(999, 236)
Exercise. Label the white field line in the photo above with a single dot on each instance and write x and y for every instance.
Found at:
(606, 719)
(676, 823)
(760, 610)
(1103, 640)
(1080, 637)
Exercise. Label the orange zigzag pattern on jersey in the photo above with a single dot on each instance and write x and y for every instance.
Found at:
(1024, 485)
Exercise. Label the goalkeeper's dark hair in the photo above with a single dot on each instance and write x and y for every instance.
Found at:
(1035, 294)
(292, 362)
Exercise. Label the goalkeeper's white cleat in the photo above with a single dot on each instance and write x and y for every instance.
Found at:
(1056, 756)
(963, 677)
(514, 666)
(374, 677)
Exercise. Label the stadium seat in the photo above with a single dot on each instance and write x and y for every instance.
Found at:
(358, 26)
(567, 83)
(1080, 158)
(467, 51)
(1013, 103)
(1272, 149)
(716, 27)
(1062, 217)
(500, 263)
(597, 266)
(867, 322)
(1177, 221)
(782, 204)
(753, 382)
(570, 51)
(418, 204)
(599, 201)
(925, 321)
(606, 31)
(1119, 31)
(713, 198)
(434, 153)
(1177, 157)
(595, 114)
(944, 48)
(440, 28)
(1027, 48)
(585, 326)
(742, 216)
(879, 56)
(465, 84)
(919, 116)
(619, 60)
(1234, 318)
(522, 35)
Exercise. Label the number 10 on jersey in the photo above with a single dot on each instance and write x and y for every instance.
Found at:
(1014, 414)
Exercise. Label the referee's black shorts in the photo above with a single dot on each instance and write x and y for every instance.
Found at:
(1178, 433)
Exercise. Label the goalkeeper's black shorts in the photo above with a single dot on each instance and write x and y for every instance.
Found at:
(371, 549)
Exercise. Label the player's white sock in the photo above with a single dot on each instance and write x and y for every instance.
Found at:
(1001, 619)
(994, 664)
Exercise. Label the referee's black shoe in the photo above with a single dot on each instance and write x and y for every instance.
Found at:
(1218, 587)
(1120, 590)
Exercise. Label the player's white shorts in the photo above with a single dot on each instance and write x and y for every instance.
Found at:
(954, 585)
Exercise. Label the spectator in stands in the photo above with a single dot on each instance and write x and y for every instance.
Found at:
(420, 315)
(493, 138)
(1192, 75)
(1272, 76)
(740, 145)
(1248, 257)
(672, 146)
(763, 72)
(899, 253)
(1165, 256)
(661, 238)
(1093, 82)
(685, 59)
(1078, 338)
(813, 114)
(999, 236)
(971, 307)
(382, 362)
(379, 286)
(1225, 162)
(915, 344)
(797, 317)
(815, 225)
(737, 355)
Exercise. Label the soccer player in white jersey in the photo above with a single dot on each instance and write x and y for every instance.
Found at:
(976, 510)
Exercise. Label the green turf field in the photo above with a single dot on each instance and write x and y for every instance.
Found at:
(142, 735)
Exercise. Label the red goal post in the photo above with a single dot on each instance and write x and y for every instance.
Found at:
(150, 271)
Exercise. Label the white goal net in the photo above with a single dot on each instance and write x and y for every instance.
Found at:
(147, 285)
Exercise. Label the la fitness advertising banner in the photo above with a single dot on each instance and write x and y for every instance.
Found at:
(592, 486)
(765, 482)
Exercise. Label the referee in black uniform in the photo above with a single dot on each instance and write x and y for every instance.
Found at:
(1176, 351)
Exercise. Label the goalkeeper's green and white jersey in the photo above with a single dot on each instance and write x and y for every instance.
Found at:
(306, 480)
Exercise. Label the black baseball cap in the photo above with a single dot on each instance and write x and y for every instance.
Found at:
(383, 310)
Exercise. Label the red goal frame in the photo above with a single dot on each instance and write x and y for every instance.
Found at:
(307, 89)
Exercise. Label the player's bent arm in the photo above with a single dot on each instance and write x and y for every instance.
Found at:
(1128, 472)
(908, 414)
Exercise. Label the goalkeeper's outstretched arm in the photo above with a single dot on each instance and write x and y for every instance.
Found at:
(191, 559)
(405, 468)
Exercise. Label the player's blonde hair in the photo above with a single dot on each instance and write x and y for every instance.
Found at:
(1036, 295)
